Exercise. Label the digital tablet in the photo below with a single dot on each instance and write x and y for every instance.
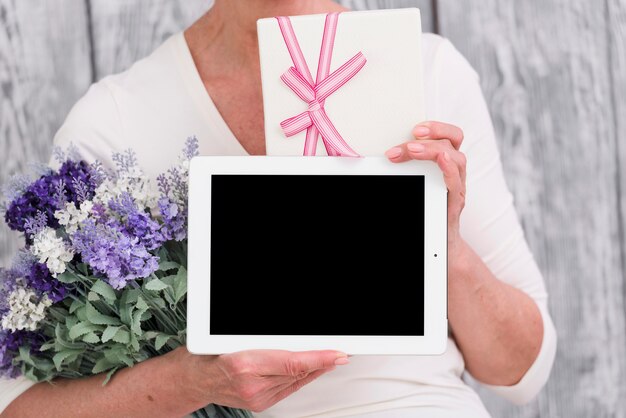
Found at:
(302, 253)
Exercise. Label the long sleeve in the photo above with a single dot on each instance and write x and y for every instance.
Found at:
(489, 222)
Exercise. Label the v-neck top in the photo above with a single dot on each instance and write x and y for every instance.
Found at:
(161, 100)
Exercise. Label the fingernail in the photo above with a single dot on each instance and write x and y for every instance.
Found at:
(341, 361)
(394, 152)
(415, 147)
(421, 131)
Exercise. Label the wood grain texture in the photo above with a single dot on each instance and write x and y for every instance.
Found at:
(616, 12)
(554, 73)
(545, 71)
(44, 69)
(425, 7)
(127, 30)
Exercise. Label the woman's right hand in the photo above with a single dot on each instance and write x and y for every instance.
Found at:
(256, 379)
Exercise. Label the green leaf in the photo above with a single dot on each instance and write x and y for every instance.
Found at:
(70, 321)
(102, 365)
(30, 375)
(83, 268)
(25, 355)
(134, 342)
(130, 296)
(47, 346)
(169, 280)
(141, 304)
(180, 286)
(95, 317)
(109, 333)
(60, 332)
(76, 303)
(156, 285)
(168, 265)
(91, 338)
(157, 302)
(161, 340)
(93, 297)
(141, 307)
(109, 375)
(81, 313)
(105, 290)
(68, 276)
(122, 336)
(65, 356)
(81, 329)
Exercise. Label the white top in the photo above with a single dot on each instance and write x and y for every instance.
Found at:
(160, 101)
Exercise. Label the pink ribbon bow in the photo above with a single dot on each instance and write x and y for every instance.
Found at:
(298, 78)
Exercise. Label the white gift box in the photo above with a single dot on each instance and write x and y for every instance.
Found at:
(376, 108)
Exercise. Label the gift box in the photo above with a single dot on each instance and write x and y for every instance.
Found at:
(341, 84)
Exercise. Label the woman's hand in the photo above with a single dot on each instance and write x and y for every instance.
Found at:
(255, 379)
(440, 142)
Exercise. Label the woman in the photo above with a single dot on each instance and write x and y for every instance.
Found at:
(207, 82)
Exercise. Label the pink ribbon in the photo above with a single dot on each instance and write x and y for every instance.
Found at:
(298, 78)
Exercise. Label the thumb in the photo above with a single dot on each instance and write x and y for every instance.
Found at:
(305, 362)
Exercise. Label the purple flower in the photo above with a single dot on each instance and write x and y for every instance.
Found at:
(49, 193)
(34, 274)
(174, 220)
(40, 279)
(78, 182)
(8, 281)
(34, 225)
(109, 251)
(40, 196)
(10, 343)
(137, 223)
(191, 148)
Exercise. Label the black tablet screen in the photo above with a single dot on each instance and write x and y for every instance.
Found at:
(327, 253)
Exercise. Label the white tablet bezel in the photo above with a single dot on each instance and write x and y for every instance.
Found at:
(200, 341)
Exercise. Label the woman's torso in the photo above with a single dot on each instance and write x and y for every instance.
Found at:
(153, 108)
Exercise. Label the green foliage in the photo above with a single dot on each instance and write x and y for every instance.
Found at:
(103, 330)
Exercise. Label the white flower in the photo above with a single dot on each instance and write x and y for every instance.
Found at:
(51, 250)
(134, 183)
(70, 217)
(25, 312)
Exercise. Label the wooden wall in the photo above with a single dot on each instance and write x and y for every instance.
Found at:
(554, 74)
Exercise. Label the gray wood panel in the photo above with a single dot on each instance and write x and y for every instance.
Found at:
(44, 69)
(127, 30)
(554, 73)
(545, 71)
(425, 7)
(616, 12)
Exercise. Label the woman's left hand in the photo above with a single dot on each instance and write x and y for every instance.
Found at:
(439, 142)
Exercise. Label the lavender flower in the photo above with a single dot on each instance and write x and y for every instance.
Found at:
(191, 148)
(40, 279)
(40, 196)
(137, 223)
(49, 193)
(174, 219)
(36, 224)
(77, 179)
(27, 270)
(10, 343)
(16, 185)
(175, 193)
(111, 253)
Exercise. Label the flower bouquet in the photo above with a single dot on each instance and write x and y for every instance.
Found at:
(101, 282)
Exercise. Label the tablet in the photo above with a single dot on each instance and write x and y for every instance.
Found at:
(302, 253)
